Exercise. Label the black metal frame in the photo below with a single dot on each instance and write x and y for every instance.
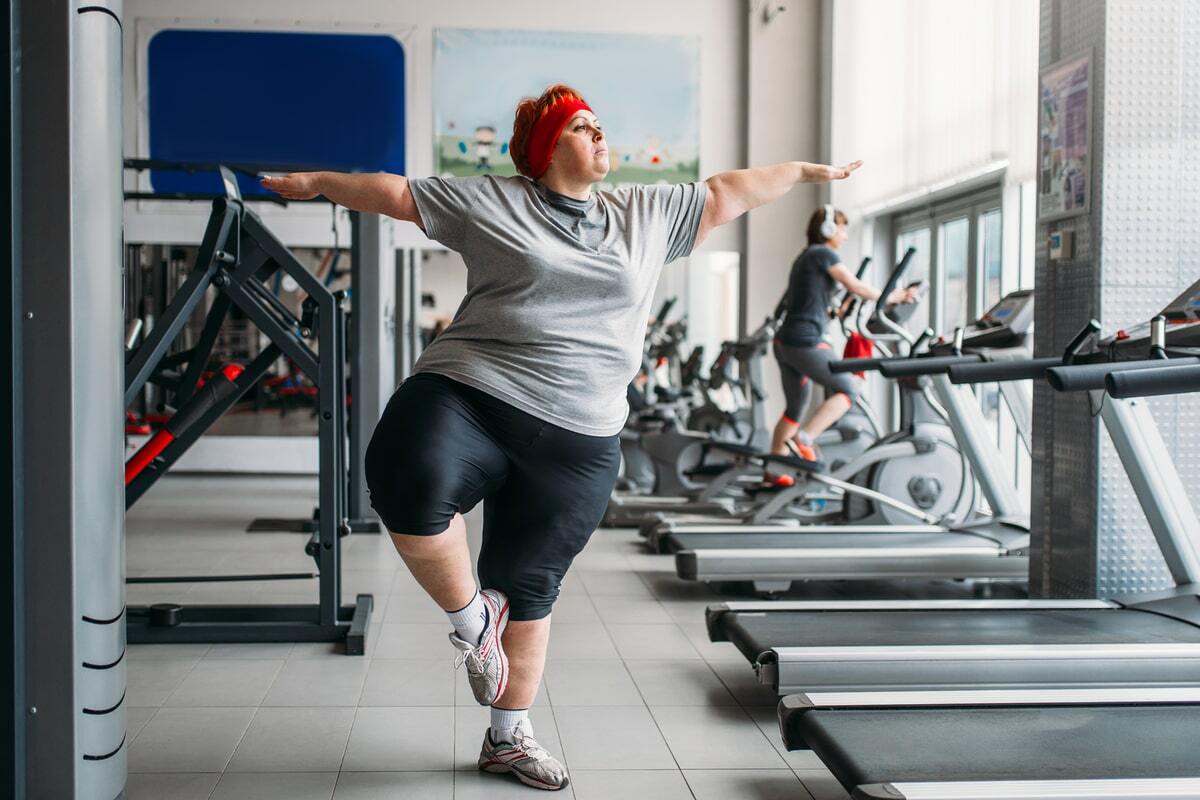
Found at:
(238, 255)
(358, 518)
(12, 589)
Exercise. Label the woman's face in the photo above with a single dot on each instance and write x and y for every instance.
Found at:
(840, 237)
(582, 150)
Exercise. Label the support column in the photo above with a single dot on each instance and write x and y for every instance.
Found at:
(372, 349)
(74, 712)
(1133, 252)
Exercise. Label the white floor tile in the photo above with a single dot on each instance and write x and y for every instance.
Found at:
(590, 683)
(723, 784)
(383, 739)
(409, 683)
(151, 681)
(415, 640)
(170, 786)
(660, 642)
(679, 683)
(395, 786)
(318, 682)
(189, 739)
(226, 682)
(294, 740)
(580, 641)
(663, 784)
(822, 785)
(611, 738)
(715, 738)
(630, 610)
(275, 786)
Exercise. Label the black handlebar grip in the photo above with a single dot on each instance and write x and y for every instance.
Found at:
(862, 268)
(996, 371)
(1085, 377)
(667, 305)
(1169, 379)
(857, 364)
(908, 367)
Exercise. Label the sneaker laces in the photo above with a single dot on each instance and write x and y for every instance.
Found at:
(472, 656)
(530, 746)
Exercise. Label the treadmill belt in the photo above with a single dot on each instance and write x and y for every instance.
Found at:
(982, 744)
(757, 632)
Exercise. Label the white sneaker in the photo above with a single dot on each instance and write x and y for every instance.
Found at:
(523, 757)
(487, 665)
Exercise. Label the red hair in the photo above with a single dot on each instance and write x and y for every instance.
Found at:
(529, 111)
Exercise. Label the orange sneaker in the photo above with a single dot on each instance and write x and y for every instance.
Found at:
(778, 481)
(805, 451)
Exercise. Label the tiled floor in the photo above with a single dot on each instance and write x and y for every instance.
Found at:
(636, 700)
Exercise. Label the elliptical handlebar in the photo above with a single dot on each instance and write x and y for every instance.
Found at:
(877, 316)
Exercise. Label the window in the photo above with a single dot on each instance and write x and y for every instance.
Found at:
(960, 252)
(954, 256)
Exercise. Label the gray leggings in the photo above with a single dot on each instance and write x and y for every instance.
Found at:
(800, 366)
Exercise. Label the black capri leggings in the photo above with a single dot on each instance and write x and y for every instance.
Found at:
(799, 365)
(442, 446)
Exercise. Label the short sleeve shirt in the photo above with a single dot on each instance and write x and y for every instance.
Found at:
(558, 290)
(810, 293)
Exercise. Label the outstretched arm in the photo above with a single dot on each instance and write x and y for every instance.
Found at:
(376, 192)
(733, 193)
(841, 274)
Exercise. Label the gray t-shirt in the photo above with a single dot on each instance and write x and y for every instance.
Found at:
(558, 290)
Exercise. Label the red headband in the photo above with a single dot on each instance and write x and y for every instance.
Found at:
(545, 133)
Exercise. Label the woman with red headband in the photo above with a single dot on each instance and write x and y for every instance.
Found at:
(519, 401)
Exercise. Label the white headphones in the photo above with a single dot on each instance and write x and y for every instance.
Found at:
(829, 223)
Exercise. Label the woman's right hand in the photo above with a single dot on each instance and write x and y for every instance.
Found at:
(294, 186)
(905, 295)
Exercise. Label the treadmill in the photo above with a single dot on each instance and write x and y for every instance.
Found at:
(1020, 745)
(1151, 639)
(773, 556)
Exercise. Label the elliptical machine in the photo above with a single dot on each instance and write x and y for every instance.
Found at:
(690, 475)
(916, 475)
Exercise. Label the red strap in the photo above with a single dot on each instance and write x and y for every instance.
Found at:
(858, 346)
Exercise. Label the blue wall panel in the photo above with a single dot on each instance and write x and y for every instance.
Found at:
(292, 100)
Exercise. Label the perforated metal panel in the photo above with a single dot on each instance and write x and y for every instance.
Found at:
(1091, 535)
(1064, 514)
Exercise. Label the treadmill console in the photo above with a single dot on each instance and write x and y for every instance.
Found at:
(1004, 324)
(1186, 307)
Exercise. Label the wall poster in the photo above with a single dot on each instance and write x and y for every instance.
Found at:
(1064, 138)
(644, 89)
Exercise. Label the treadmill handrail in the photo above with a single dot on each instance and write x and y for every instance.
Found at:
(931, 365)
(996, 697)
(988, 652)
(1086, 377)
(1167, 379)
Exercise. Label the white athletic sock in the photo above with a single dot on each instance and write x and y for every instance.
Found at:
(470, 620)
(803, 438)
(505, 721)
